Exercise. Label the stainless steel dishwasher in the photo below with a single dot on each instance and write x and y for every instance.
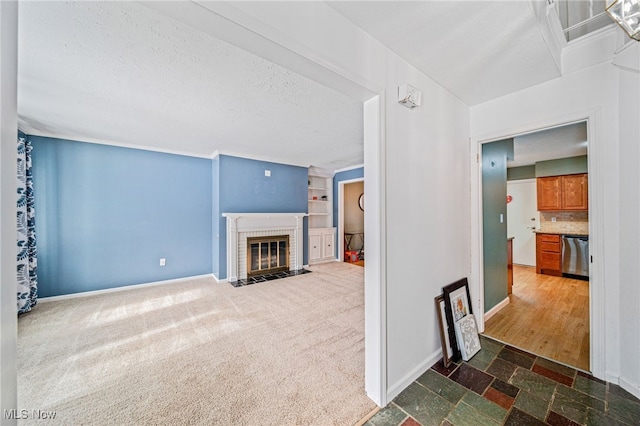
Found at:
(575, 255)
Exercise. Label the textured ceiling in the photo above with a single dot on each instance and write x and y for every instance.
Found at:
(560, 142)
(479, 50)
(122, 73)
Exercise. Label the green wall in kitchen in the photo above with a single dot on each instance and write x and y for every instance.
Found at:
(522, 172)
(494, 220)
(563, 166)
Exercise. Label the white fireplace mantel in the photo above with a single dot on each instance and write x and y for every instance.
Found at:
(240, 223)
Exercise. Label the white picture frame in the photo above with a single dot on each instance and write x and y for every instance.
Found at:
(467, 337)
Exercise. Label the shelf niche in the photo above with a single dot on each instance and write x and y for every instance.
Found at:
(322, 234)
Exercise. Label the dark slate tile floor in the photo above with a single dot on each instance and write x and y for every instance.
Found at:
(268, 277)
(502, 385)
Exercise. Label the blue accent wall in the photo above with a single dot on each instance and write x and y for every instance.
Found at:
(244, 188)
(105, 216)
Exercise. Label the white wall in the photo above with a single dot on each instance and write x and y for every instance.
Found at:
(416, 184)
(428, 213)
(8, 154)
(595, 93)
(629, 112)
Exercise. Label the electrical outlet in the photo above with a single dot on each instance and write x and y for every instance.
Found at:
(267, 173)
(553, 218)
(163, 261)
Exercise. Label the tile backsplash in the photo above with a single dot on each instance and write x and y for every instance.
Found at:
(566, 222)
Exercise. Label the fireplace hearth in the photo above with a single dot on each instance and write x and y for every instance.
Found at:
(268, 277)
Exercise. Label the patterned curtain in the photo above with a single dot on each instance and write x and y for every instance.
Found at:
(27, 255)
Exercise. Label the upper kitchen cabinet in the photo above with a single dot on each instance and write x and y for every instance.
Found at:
(575, 192)
(567, 192)
(548, 191)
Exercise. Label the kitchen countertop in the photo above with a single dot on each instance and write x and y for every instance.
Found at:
(540, 231)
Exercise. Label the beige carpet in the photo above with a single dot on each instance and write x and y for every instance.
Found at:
(285, 352)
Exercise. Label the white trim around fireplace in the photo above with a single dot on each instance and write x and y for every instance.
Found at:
(239, 224)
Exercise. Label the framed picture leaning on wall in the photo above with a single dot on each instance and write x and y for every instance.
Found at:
(457, 306)
(447, 350)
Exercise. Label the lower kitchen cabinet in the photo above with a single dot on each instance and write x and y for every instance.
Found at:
(548, 254)
(322, 243)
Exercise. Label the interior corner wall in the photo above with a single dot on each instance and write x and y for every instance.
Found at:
(215, 216)
(427, 216)
(105, 215)
(244, 188)
(592, 92)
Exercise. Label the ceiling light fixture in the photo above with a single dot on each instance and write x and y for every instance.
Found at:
(626, 13)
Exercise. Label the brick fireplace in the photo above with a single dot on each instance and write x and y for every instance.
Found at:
(267, 226)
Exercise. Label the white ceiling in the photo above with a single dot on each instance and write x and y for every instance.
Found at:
(550, 144)
(479, 50)
(125, 74)
(122, 73)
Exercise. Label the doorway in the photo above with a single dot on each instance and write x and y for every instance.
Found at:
(351, 221)
(546, 315)
(522, 219)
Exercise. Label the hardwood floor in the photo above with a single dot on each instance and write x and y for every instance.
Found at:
(548, 316)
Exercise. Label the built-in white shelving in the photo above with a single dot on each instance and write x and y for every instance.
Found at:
(322, 234)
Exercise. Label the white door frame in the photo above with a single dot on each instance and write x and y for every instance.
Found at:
(341, 185)
(375, 268)
(8, 184)
(596, 228)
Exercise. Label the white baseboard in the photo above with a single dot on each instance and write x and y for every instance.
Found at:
(121, 288)
(630, 387)
(491, 312)
(218, 280)
(411, 376)
(610, 377)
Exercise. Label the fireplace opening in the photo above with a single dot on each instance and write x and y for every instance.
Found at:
(266, 255)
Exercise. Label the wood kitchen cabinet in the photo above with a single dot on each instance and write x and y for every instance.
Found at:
(567, 192)
(575, 192)
(548, 191)
(548, 254)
